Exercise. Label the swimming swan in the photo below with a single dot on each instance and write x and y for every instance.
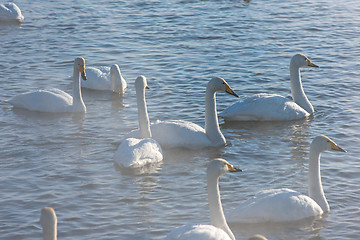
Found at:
(177, 133)
(273, 107)
(134, 152)
(48, 222)
(10, 12)
(282, 205)
(219, 228)
(55, 100)
(98, 79)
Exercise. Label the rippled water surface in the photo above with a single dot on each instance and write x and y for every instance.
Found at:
(66, 161)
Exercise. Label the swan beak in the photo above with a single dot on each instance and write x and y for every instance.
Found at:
(310, 64)
(147, 87)
(336, 147)
(232, 168)
(82, 71)
(229, 90)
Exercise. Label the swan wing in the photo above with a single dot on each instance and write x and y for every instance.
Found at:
(198, 232)
(97, 78)
(275, 205)
(53, 100)
(264, 107)
(176, 134)
(10, 12)
(134, 152)
(179, 134)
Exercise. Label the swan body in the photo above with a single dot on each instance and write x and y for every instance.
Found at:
(55, 100)
(10, 12)
(184, 134)
(105, 79)
(138, 152)
(282, 205)
(271, 107)
(48, 222)
(219, 228)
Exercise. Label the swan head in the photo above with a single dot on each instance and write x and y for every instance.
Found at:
(219, 84)
(300, 60)
(322, 143)
(141, 83)
(79, 64)
(220, 166)
(48, 222)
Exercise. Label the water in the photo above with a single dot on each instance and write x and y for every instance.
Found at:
(66, 161)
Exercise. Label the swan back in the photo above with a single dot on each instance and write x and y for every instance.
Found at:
(48, 222)
(10, 12)
(118, 83)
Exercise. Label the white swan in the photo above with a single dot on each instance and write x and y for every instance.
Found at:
(105, 79)
(10, 12)
(55, 100)
(219, 228)
(177, 133)
(134, 152)
(272, 107)
(48, 222)
(282, 205)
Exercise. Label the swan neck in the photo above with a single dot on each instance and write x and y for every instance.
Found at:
(217, 216)
(316, 191)
(116, 82)
(49, 233)
(144, 123)
(212, 128)
(297, 91)
(78, 103)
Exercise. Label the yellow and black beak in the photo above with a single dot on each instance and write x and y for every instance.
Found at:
(229, 90)
(310, 64)
(335, 147)
(232, 168)
(82, 71)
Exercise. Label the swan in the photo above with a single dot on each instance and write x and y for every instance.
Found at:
(55, 100)
(273, 107)
(10, 12)
(282, 205)
(98, 79)
(134, 152)
(183, 134)
(48, 222)
(218, 229)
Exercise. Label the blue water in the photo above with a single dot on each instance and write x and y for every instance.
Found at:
(66, 161)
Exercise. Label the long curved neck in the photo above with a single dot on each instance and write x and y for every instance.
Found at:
(116, 82)
(316, 191)
(144, 123)
(297, 91)
(212, 129)
(78, 103)
(217, 216)
(49, 232)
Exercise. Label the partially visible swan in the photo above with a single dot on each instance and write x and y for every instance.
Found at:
(183, 134)
(48, 222)
(105, 79)
(219, 228)
(134, 152)
(273, 107)
(10, 12)
(282, 205)
(55, 100)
